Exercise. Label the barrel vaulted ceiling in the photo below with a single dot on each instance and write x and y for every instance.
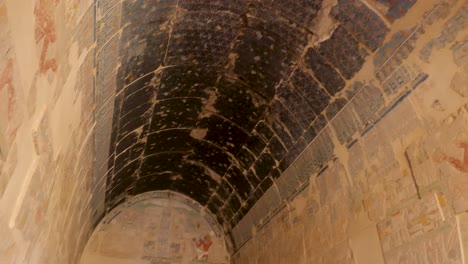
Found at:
(216, 98)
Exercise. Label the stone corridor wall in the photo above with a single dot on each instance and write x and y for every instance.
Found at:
(47, 209)
(396, 189)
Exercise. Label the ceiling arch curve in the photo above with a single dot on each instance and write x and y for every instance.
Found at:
(215, 99)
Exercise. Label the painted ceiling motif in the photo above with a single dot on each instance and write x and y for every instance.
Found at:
(215, 99)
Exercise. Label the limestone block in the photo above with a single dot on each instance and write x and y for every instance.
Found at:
(82, 33)
(35, 205)
(356, 161)
(441, 246)
(3, 146)
(269, 245)
(447, 151)
(4, 178)
(462, 224)
(458, 184)
(386, 195)
(324, 228)
(7, 244)
(408, 223)
(312, 245)
(400, 122)
(459, 83)
(364, 240)
(292, 250)
(412, 222)
(460, 55)
(341, 215)
(374, 203)
(249, 256)
(85, 85)
(421, 165)
(341, 253)
(379, 152)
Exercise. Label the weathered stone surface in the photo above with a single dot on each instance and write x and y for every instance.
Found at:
(404, 173)
(287, 120)
(449, 33)
(462, 225)
(343, 52)
(47, 180)
(174, 230)
(362, 22)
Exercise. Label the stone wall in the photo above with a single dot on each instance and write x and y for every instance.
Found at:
(46, 130)
(395, 186)
(163, 227)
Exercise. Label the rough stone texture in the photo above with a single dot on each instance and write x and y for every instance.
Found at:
(237, 104)
(415, 215)
(47, 185)
(395, 180)
(163, 227)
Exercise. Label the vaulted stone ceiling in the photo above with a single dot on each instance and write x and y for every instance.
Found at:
(215, 99)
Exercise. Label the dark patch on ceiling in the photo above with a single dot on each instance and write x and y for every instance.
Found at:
(215, 99)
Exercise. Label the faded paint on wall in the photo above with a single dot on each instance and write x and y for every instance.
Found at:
(163, 227)
(46, 128)
(396, 191)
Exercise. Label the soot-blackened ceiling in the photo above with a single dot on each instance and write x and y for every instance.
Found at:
(216, 98)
